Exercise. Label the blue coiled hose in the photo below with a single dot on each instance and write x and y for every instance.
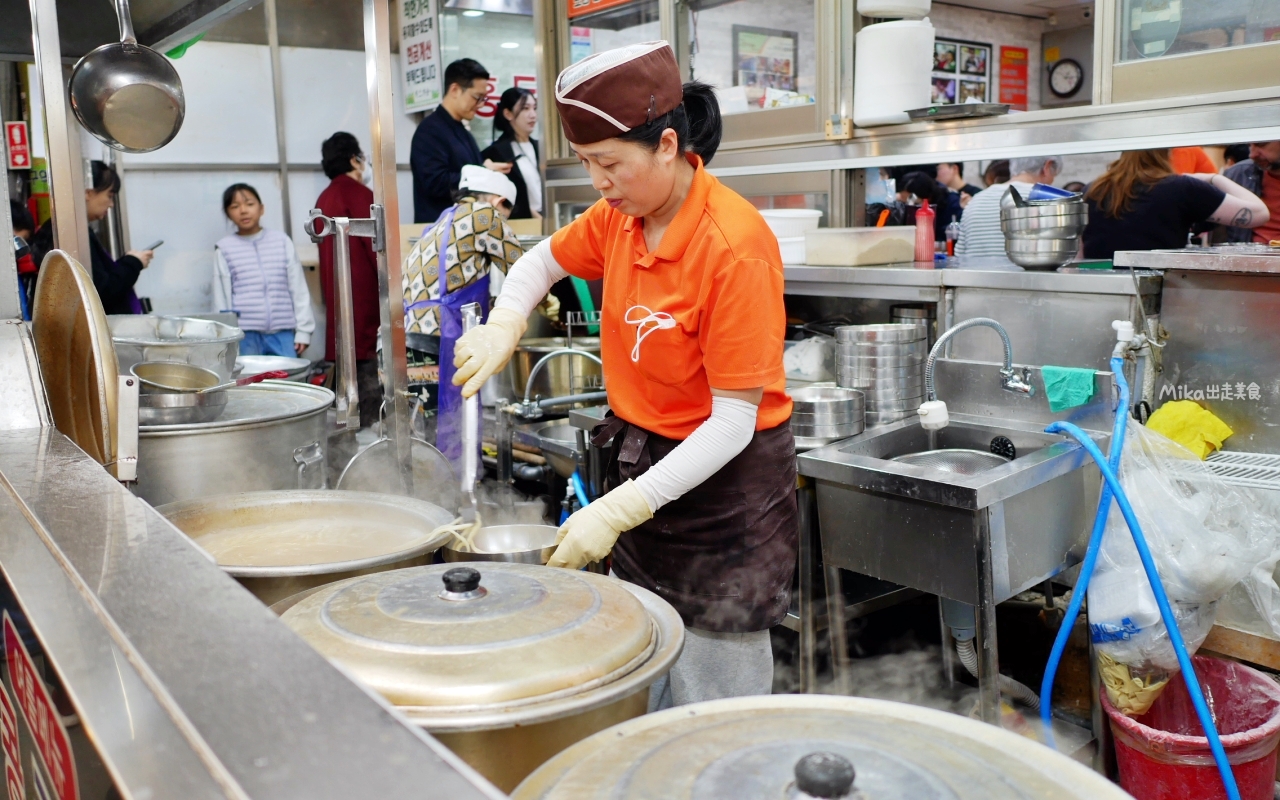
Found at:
(1112, 489)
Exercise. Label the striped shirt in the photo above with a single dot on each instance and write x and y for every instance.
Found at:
(980, 233)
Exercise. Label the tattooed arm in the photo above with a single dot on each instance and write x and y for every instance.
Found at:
(1241, 208)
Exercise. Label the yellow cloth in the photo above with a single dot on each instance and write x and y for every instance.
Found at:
(1130, 695)
(1191, 426)
(589, 534)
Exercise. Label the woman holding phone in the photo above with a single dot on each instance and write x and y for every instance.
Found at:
(113, 278)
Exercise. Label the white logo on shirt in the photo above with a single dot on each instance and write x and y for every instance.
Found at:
(650, 322)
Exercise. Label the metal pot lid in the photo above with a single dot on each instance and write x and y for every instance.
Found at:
(77, 361)
(776, 747)
(453, 638)
(262, 402)
(284, 533)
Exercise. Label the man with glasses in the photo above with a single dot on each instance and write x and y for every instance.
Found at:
(1260, 174)
(442, 145)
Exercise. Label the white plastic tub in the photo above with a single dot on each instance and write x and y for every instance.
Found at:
(792, 248)
(791, 222)
(860, 247)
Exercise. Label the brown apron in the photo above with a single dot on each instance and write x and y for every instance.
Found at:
(724, 554)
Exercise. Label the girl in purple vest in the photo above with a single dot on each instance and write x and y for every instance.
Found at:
(257, 275)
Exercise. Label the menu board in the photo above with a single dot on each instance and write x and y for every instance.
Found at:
(961, 72)
(420, 54)
(764, 59)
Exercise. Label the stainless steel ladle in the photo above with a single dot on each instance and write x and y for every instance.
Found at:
(126, 94)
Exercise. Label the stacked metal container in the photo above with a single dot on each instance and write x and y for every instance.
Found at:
(886, 363)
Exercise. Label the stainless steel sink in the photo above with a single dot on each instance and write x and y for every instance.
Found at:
(978, 538)
(558, 442)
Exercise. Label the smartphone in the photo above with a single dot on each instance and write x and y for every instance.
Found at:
(154, 244)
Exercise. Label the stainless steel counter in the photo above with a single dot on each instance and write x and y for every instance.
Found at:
(1245, 258)
(187, 686)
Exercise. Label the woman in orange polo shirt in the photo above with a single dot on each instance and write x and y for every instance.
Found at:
(701, 508)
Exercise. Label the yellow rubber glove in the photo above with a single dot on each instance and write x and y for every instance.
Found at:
(588, 535)
(483, 350)
(550, 308)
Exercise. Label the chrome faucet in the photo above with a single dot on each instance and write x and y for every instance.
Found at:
(532, 409)
(933, 412)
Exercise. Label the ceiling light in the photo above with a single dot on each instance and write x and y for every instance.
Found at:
(472, 13)
(510, 45)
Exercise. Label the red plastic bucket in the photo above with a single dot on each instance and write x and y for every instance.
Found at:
(1163, 756)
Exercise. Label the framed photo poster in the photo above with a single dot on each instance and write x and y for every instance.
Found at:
(763, 59)
(961, 72)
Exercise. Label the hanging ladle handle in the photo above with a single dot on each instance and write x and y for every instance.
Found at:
(126, 22)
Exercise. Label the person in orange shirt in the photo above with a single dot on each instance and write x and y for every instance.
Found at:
(701, 507)
(1191, 161)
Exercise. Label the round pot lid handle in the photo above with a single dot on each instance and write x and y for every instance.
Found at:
(825, 775)
(461, 583)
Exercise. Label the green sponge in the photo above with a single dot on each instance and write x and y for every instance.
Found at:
(1067, 387)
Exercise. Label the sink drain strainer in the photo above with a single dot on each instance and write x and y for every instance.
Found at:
(957, 462)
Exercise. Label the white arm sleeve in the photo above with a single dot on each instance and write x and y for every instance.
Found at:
(725, 434)
(221, 283)
(303, 316)
(529, 280)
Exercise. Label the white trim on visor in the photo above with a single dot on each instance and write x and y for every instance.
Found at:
(594, 65)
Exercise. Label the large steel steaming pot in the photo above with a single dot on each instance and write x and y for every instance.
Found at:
(507, 664)
(269, 436)
(278, 544)
(806, 746)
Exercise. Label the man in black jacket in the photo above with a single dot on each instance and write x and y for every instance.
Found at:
(442, 145)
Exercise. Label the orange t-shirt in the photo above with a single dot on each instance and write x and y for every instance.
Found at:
(1190, 160)
(704, 310)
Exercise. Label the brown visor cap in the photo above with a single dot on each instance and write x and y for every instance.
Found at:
(610, 93)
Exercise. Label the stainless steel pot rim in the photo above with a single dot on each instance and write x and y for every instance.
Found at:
(823, 431)
(882, 362)
(868, 348)
(827, 419)
(668, 642)
(874, 386)
(884, 373)
(320, 496)
(882, 332)
(323, 398)
(809, 398)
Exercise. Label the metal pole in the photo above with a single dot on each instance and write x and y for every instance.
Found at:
(10, 308)
(988, 650)
(804, 566)
(348, 401)
(277, 93)
(66, 179)
(382, 151)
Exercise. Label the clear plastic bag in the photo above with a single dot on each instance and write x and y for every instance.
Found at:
(1205, 535)
(812, 359)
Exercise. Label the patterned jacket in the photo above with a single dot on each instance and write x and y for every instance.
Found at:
(479, 241)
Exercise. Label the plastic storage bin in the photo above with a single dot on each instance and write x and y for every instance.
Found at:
(790, 222)
(860, 247)
(1162, 755)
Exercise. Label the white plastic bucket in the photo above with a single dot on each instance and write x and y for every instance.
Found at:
(788, 223)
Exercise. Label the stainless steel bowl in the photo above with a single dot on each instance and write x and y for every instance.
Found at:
(881, 333)
(881, 362)
(1043, 254)
(863, 350)
(180, 408)
(827, 431)
(840, 417)
(885, 417)
(813, 399)
(201, 342)
(522, 544)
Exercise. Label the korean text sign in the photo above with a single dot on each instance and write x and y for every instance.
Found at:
(420, 69)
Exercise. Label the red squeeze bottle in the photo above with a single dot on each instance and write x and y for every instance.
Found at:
(924, 232)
